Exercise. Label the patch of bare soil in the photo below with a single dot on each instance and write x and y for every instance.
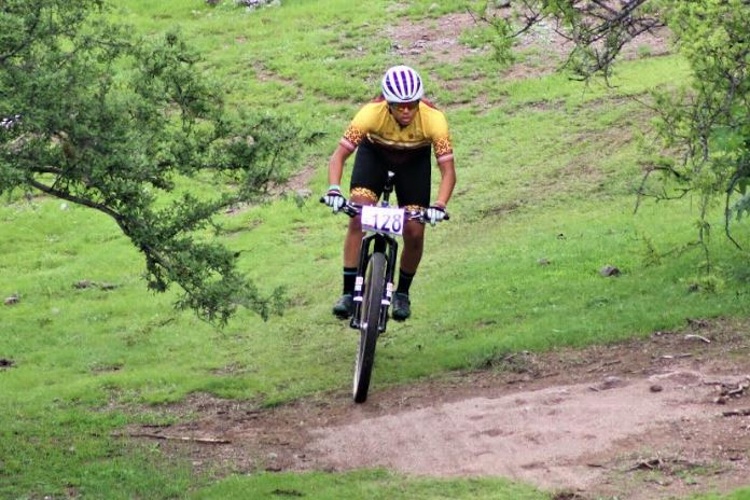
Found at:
(661, 417)
(541, 50)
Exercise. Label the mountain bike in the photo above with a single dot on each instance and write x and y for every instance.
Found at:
(373, 288)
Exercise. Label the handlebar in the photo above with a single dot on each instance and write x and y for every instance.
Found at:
(353, 209)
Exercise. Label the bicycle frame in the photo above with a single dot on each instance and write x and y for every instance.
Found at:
(373, 243)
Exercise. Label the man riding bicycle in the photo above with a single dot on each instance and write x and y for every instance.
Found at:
(396, 131)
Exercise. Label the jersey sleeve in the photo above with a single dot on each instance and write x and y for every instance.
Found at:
(358, 128)
(441, 137)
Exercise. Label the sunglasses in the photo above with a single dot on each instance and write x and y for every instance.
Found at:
(404, 106)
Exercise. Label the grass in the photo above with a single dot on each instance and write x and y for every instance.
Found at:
(366, 484)
(547, 170)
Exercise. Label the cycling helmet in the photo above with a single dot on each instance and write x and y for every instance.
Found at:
(402, 84)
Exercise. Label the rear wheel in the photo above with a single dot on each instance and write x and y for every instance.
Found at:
(368, 325)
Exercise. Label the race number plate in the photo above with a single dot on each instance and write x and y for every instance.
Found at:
(383, 219)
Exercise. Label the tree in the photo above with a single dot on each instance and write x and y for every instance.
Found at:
(94, 115)
(704, 127)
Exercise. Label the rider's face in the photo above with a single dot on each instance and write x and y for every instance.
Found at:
(404, 113)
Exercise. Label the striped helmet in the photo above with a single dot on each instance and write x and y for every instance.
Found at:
(402, 84)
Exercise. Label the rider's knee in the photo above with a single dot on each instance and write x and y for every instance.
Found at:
(413, 231)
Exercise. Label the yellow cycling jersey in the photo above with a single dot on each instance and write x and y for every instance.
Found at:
(375, 122)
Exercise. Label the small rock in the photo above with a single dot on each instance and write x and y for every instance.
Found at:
(656, 388)
(608, 271)
(609, 382)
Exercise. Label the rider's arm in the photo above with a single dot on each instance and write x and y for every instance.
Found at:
(336, 164)
(447, 181)
(442, 145)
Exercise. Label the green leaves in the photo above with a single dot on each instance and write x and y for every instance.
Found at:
(704, 126)
(120, 124)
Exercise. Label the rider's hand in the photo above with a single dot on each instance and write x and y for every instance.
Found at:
(435, 214)
(333, 198)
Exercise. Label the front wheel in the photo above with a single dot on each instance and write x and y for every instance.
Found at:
(368, 325)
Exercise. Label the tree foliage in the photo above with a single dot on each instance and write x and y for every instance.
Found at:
(703, 127)
(95, 115)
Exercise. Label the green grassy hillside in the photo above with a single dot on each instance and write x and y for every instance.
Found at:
(547, 170)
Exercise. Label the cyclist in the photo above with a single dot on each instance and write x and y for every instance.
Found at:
(396, 131)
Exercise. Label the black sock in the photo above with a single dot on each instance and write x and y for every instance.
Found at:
(404, 281)
(350, 276)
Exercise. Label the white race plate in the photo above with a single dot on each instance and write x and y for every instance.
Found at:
(383, 219)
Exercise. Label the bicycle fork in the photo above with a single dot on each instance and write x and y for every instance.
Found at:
(371, 244)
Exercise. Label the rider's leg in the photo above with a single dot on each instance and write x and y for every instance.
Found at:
(367, 179)
(353, 238)
(352, 244)
(411, 255)
(413, 191)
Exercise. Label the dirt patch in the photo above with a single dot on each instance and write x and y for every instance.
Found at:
(438, 38)
(540, 51)
(655, 418)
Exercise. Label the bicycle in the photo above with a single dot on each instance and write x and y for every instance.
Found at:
(373, 288)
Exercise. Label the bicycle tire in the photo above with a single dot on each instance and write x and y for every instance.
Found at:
(368, 329)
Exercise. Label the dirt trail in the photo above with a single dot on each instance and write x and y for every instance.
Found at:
(658, 418)
(540, 436)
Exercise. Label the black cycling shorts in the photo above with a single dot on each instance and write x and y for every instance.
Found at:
(412, 181)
